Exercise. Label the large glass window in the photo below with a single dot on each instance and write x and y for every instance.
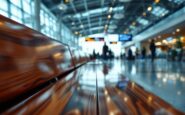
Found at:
(26, 6)
(16, 2)
(22, 11)
(16, 11)
(4, 5)
(28, 20)
(4, 8)
(42, 18)
(4, 13)
(16, 19)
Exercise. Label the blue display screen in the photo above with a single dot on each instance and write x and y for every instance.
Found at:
(125, 37)
(122, 84)
(169, 39)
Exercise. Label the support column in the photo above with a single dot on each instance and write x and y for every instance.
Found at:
(58, 31)
(138, 45)
(37, 4)
(61, 32)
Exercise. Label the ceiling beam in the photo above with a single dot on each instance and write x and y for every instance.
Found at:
(96, 24)
(75, 11)
(88, 19)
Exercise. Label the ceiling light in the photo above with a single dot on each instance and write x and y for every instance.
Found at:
(113, 22)
(73, 23)
(118, 16)
(118, 9)
(110, 9)
(124, 0)
(109, 16)
(157, 1)
(96, 28)
(158, 43)
(112, 26)
(76, 33)
(125, 32)
(159, 11)
(66, 1)
(143, 21)
(90, 12)
(62, 7)
(163, 14)
(144, 13)
(177, 1)
(133, 23)
(81, 26)
(149, 8)
(132, 27)
(165, 41)
(110, 30)
(173, 33)
(177, 30)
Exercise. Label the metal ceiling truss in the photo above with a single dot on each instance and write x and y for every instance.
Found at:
(89, 16)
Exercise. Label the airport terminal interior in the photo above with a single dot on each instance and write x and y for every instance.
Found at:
(92, 57)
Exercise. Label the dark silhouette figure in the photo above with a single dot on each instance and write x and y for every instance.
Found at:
(137, 53)
(94, 54)
(152, 49)
(143, 52)
(130, 55)
(179, 49)
(105, 51)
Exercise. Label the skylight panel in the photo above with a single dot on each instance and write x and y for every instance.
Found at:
(159, 11)
(90, 12)
(97, 28)
(132, 27)
(117, 9)
(143, 21)
(177, 1)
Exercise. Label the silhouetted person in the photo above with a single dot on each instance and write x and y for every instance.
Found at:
(143, 52)
(110, 54)
(98, 55)
(130, 55)
(137, 53)
(174, 54)
(105, 51)
(94, 54)
(179, 49)
(153, 50)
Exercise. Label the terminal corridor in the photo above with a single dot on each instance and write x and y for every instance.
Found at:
(92, 57)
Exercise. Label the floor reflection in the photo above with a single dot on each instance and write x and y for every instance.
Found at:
(164, 79)
(117, 95)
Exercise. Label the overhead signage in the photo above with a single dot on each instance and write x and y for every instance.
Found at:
(169, 39)
(125, 37)
(93, 39)
(113, 42)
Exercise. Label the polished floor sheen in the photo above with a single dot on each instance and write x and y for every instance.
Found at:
(112, 88)
(163, 79)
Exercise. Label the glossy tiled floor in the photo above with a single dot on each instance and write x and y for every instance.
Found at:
(162, 78)
(104, 88)
(100, 80)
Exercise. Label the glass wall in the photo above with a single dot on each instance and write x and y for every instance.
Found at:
(18, 10)
(4, 8)
(48, 22)
(22, 11)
